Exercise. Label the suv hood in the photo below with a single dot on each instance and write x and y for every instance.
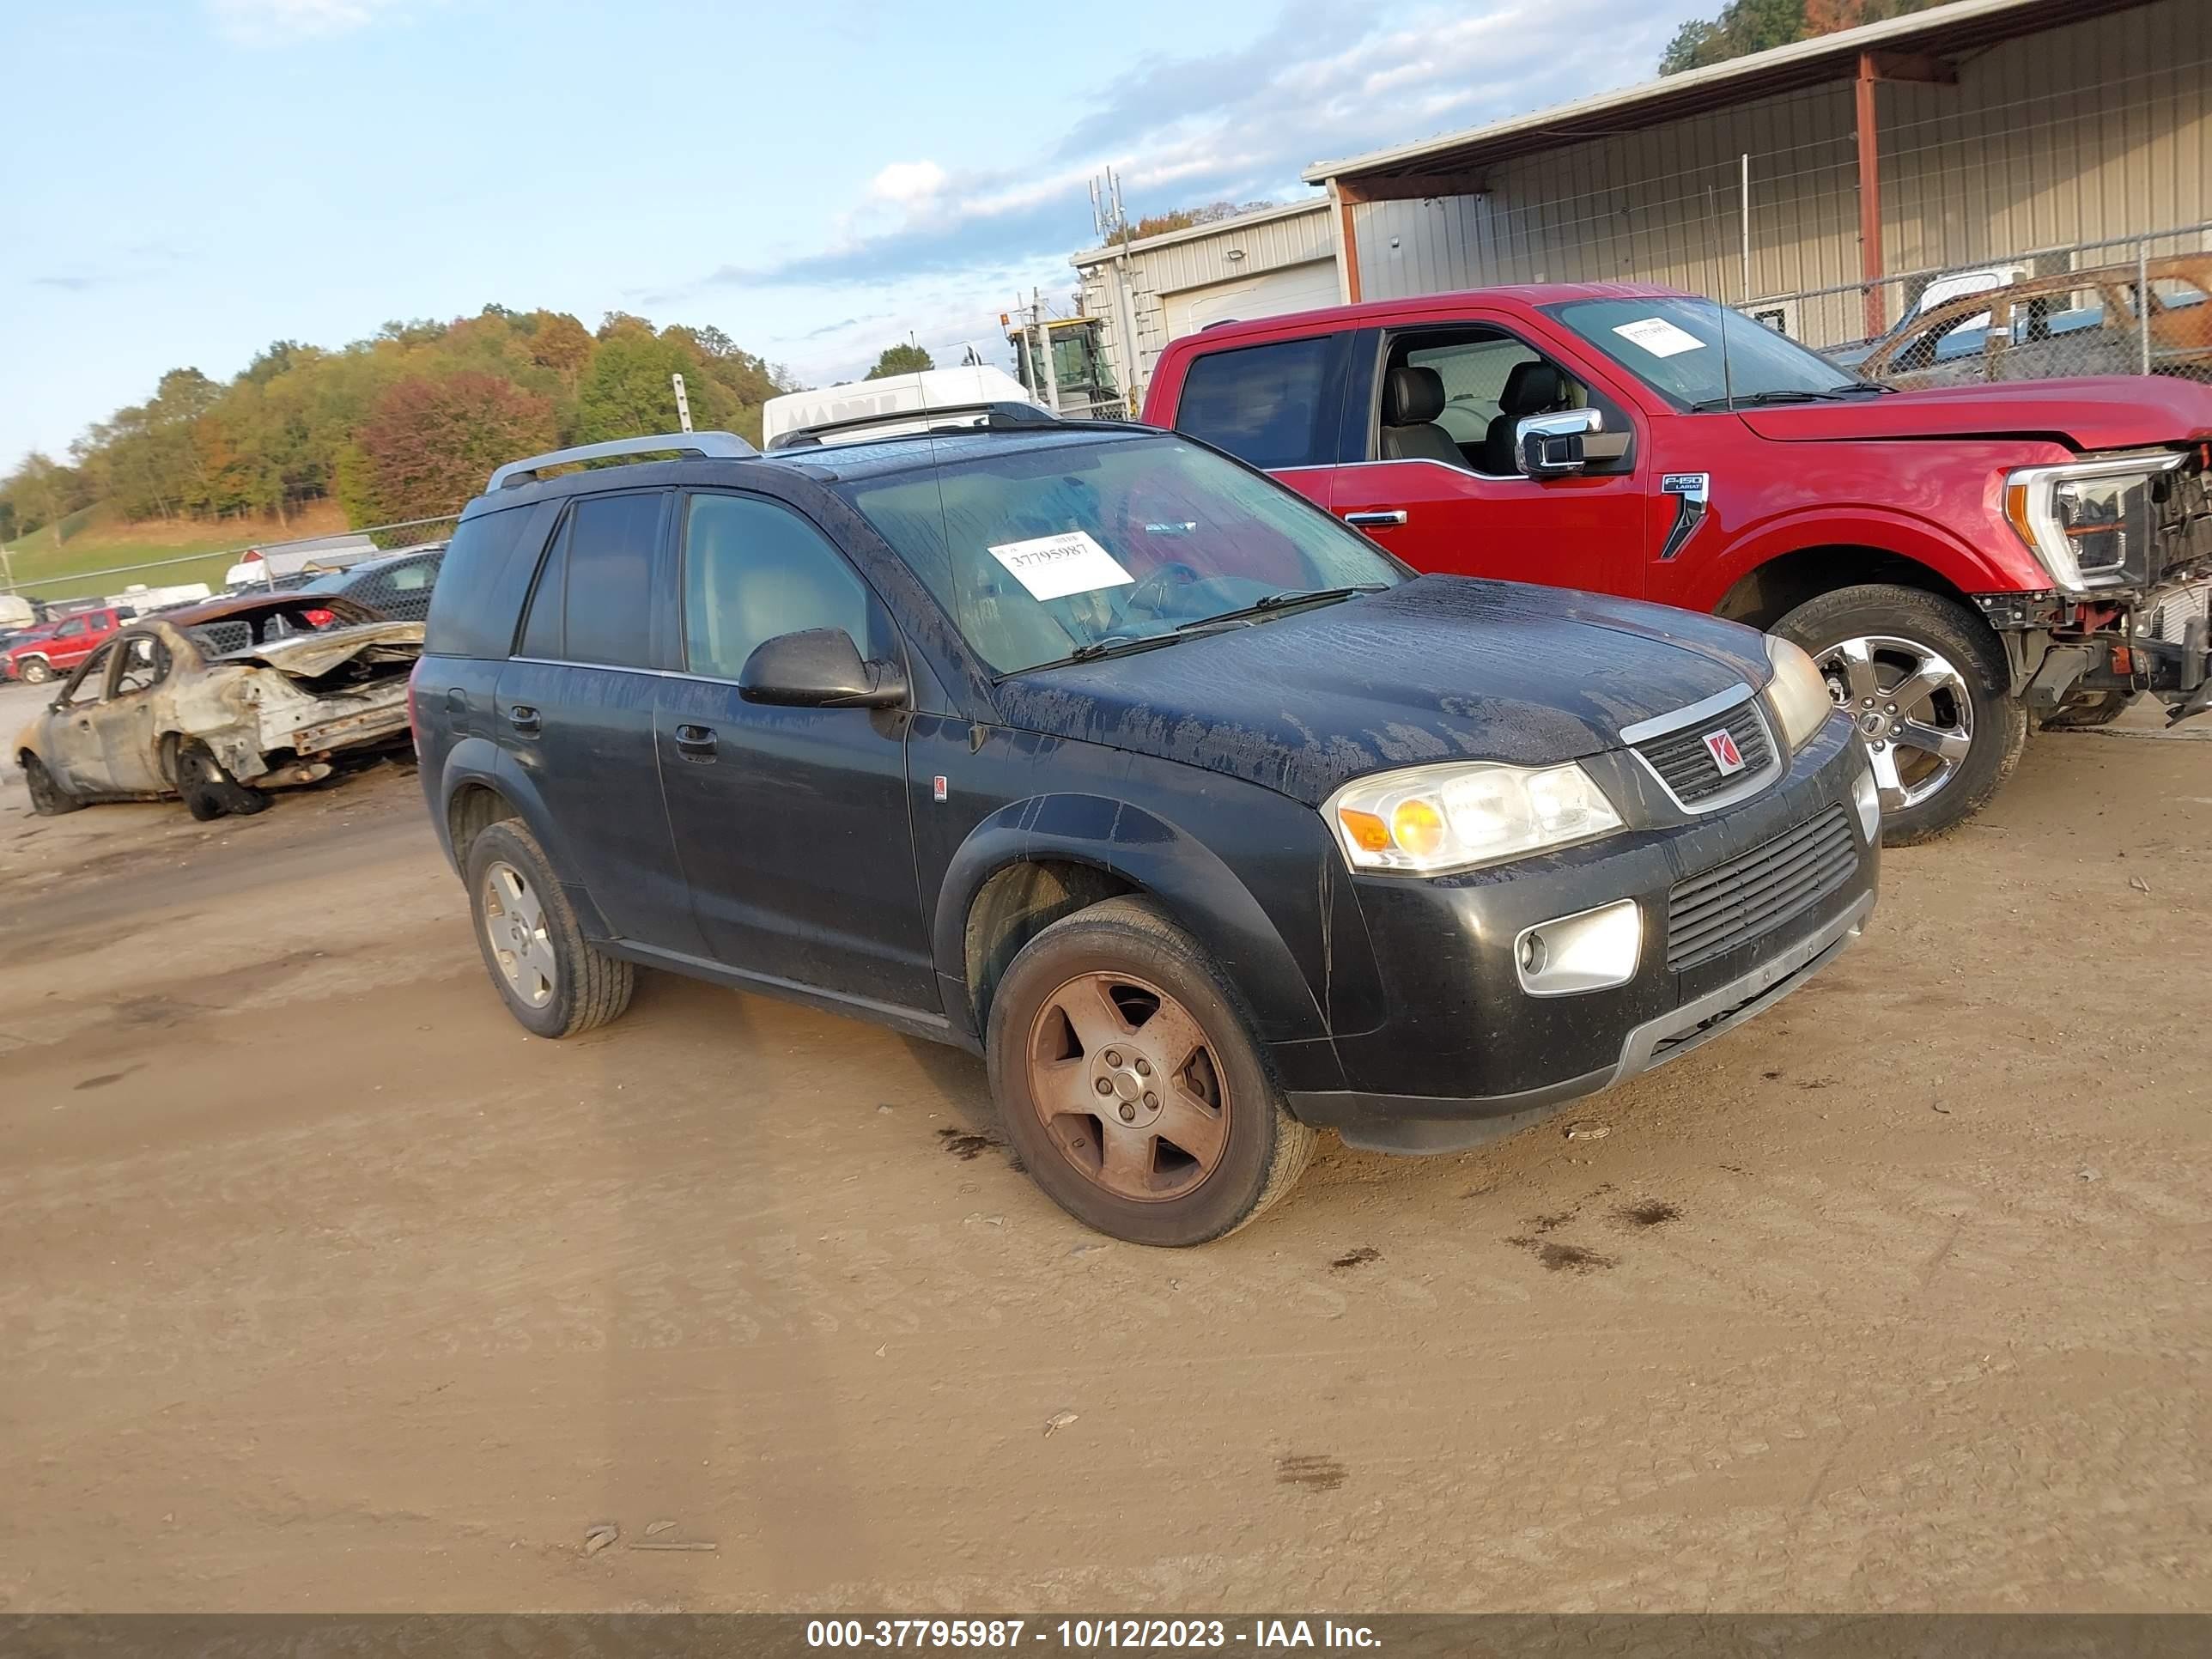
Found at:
(2105, 412)
(1442, 668)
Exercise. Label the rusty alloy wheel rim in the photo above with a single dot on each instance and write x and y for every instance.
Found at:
(1128, 1087)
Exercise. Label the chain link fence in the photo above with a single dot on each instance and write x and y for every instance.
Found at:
(2138, 305)
(395, 586)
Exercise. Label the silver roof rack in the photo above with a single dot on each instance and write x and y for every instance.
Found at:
(710, 446)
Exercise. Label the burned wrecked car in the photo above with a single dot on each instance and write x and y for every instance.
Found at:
(216, 703)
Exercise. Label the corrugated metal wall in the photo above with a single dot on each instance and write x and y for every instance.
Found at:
(1202, 257)
(2100, 129)
(1656, 206)
(2095, 128)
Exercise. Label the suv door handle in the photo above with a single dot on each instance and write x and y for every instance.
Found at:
(1375, 520)
(525, 720)
(695, 743)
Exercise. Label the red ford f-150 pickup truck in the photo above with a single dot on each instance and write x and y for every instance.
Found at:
(1957, 560)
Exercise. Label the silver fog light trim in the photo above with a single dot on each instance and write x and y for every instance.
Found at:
(1591, 951)
(1866, 796)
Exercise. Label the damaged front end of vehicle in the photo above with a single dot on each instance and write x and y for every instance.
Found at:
(2127, 540)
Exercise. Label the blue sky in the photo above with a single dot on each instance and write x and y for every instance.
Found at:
(189, 181)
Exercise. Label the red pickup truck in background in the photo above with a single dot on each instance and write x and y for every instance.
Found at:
(52, 649)
(1955, 560)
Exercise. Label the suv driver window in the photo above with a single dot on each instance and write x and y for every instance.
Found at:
(594, 598)
(753, 569)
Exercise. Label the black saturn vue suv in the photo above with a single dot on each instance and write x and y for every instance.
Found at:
(1093, 750)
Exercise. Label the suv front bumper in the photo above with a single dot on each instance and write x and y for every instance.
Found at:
(1467, 1057)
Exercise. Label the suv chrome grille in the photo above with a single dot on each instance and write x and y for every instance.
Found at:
(1758, 891)
(1686, 766)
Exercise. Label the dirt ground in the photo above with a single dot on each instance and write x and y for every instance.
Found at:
(322, 1285)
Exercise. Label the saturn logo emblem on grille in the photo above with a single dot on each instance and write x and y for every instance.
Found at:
(1721, 746)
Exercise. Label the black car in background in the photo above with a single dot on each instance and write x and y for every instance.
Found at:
(1091, 750)
(397, 585)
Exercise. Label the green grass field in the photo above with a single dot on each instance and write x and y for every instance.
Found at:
(48, 566)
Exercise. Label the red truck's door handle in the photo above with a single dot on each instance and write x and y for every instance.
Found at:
(1378, 518)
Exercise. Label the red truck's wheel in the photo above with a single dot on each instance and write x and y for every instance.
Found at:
(34, 671)
(1926, 682)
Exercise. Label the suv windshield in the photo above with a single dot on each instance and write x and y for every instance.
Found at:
(1674, 345)
(1041, 552)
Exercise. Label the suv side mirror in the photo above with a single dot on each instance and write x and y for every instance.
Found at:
(1551, 445)
(819, 668)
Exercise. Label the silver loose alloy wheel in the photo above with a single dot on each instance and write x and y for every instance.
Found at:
(514, 926)
(1911, 708)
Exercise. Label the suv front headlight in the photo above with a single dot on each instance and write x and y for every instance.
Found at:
(1431, 820)
(1797, 691)
(2091, 524)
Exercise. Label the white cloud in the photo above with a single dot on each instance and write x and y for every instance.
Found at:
(1322, 80)
(270, 22)
(906, 183)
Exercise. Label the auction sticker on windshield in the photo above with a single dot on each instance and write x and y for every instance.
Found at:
(1054, 567)
(1659, 336)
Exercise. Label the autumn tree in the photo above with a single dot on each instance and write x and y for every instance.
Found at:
(558, 341)
(300, 422)
(1159, 224)
(430, 444)
(1747, 25)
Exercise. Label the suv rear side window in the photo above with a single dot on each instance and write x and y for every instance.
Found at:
(473, 608)
(594, 602)
(753, 570)
(1271, 405)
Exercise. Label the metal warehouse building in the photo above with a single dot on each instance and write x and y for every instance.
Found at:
(1255, 264)
(1818, 185)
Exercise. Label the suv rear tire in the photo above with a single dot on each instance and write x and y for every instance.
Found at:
(554, 981)
(1877, 639)
(1128, 1083)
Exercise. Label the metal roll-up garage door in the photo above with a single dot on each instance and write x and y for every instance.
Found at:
(1265, 294)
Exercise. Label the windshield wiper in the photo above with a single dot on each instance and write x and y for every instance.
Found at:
(1753, 399)
(1123, 645)
(1115, 645)
(1262, 606)
(1851, 387)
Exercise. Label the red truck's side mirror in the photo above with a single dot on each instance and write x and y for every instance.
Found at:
(1552, 445)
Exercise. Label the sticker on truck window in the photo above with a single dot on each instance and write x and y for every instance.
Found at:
(1054, 567)
(1660, 338)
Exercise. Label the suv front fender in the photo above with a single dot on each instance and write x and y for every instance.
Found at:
(1301, 963)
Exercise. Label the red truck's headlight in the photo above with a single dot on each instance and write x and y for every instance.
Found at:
(2091, 524)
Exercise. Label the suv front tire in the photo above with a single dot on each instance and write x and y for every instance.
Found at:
(1128, 1083)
